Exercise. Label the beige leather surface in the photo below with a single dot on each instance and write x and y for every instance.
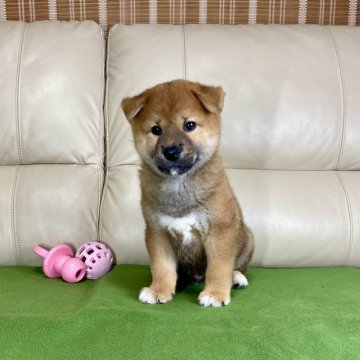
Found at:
(51, 135)
(290, 119)
(51, 109)
(290, 90)
(298, 218)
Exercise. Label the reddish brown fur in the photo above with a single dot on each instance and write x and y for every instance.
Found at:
(222, 242)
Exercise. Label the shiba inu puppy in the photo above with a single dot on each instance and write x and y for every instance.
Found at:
(193, 220)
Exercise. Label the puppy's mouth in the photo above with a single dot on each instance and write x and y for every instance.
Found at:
(175, 168)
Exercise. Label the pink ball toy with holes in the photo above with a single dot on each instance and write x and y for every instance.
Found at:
(97, 258)
(60, 262)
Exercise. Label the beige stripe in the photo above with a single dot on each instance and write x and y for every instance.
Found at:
(184, 12)
(252, 11)
(331, 12)
(103, 14)
(271, 11)
(52, 10)
(82, 10)
(123, 11)
(72, 10)
(2, 10)
(202, 11)
(181, 12)
(283, 10)
(120, 11)
(121, 14)
(153, 11)
(131, 11)
(280, 11)
(32, 10)
(134, 12)
(221, 11)
(232, 12)
(322, 10)
(171, 12)
(220, 8)
(302, 11)
(352, 12)
(21, 10)
(334, 13)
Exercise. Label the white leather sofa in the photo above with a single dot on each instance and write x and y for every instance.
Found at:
(290, 142)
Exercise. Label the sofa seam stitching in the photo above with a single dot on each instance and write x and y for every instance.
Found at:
(349, 217)
(19, 128)
(184, 53)
(106, 139)
(342, 135)
(101, 141)
(16, 245)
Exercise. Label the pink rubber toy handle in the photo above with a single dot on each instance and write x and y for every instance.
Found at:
(40, 251)
(60, 262)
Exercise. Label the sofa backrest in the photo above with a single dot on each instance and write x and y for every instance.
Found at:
(291, 132)
(290, 139)
(51, 135)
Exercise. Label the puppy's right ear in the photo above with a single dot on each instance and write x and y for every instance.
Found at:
(132, 106)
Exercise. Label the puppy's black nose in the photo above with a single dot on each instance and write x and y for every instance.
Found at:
(172, 153)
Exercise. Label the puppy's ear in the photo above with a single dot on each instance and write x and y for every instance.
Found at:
(211, 97)
(132, 106)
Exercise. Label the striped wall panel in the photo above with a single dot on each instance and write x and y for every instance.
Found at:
(107, 13)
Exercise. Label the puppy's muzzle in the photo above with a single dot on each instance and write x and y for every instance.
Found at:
(174, 161)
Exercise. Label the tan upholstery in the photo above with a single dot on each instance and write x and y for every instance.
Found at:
(290, 124)
(291, 134)
(51, 135)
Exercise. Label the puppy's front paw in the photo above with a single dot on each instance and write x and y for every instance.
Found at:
(149, 296)
(210, 299)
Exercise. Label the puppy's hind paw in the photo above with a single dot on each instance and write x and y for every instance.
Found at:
(239, 280)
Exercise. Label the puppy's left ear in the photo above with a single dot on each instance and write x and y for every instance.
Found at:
(211, 97)
(132, 106)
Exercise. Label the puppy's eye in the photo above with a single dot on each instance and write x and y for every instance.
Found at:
(156, 130)
(190, 126)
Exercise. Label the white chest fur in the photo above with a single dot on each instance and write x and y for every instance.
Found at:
(183, 226)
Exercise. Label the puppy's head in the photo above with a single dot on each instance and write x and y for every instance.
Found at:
(176, 125)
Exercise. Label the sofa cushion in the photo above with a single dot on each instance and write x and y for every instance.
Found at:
(290, 132)
(51, 135)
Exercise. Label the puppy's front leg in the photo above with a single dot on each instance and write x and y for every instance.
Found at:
(220, 263)
(163, 268)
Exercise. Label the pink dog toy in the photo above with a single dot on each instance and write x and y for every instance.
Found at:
(97, 257)
(60, 262)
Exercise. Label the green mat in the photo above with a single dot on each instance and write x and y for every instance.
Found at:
(284, 314)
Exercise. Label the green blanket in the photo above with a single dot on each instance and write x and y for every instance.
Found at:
(283, 314)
